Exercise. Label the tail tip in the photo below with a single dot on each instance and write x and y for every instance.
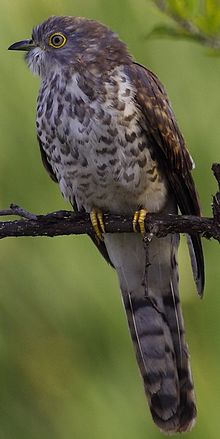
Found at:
(177, 423)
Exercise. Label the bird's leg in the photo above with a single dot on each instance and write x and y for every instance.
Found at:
(138, 218)
(96, 217)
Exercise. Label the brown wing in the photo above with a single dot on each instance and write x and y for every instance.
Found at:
(164, 135)
(99, 244)
(46, 164)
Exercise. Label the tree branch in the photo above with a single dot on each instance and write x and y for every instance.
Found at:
(68, 223)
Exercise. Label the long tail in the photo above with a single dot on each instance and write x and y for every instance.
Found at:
(149, 284)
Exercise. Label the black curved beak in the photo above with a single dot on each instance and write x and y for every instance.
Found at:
(22, 45)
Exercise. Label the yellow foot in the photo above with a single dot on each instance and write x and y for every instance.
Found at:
(96, 218)
(139, 217)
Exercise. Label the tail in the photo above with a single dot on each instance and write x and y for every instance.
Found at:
(149, 284)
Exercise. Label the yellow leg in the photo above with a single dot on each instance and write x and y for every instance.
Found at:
(139, 217)
(96, 218)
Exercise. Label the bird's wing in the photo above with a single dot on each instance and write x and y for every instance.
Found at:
(164, 135)
(46, 164)
(99, 244)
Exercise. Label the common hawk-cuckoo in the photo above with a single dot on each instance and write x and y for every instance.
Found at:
(108, 136)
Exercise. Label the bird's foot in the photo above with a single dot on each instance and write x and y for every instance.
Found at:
(138, 218)
(96, 217)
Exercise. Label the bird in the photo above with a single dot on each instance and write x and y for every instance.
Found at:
(109, 137)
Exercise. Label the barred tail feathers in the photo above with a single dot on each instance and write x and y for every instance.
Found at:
(149, 285)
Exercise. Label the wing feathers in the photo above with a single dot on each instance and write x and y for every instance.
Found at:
(164, 135)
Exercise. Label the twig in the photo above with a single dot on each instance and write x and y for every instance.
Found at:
(189, 27)
(216, 172)
(18, 211)
(67, 223)
(216, 198)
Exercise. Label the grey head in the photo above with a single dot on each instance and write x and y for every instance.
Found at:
(65, 42)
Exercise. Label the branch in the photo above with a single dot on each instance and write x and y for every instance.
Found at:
(190, 29)
(68, 223)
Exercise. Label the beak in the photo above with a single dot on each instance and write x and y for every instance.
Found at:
(23, 45)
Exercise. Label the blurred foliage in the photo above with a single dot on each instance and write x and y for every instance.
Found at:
(67, 367)
(196, 20)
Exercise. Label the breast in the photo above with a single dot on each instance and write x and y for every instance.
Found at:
(96, 145)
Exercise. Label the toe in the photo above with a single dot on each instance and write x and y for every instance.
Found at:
(96, 218)
(135, 220)
(142, 215)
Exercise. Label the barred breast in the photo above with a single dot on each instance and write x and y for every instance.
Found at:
(90, 129)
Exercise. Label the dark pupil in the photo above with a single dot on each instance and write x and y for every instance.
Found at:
(57, 41)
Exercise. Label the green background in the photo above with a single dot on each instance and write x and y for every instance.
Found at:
(67, 367)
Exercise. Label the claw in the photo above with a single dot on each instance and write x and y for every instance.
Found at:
(96, 218)
(138, 218)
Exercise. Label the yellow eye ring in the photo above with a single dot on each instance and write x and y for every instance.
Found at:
(57, 40)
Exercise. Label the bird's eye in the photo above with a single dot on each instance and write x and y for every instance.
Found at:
(57, 40)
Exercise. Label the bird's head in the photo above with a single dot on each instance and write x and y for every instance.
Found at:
(71, 41)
